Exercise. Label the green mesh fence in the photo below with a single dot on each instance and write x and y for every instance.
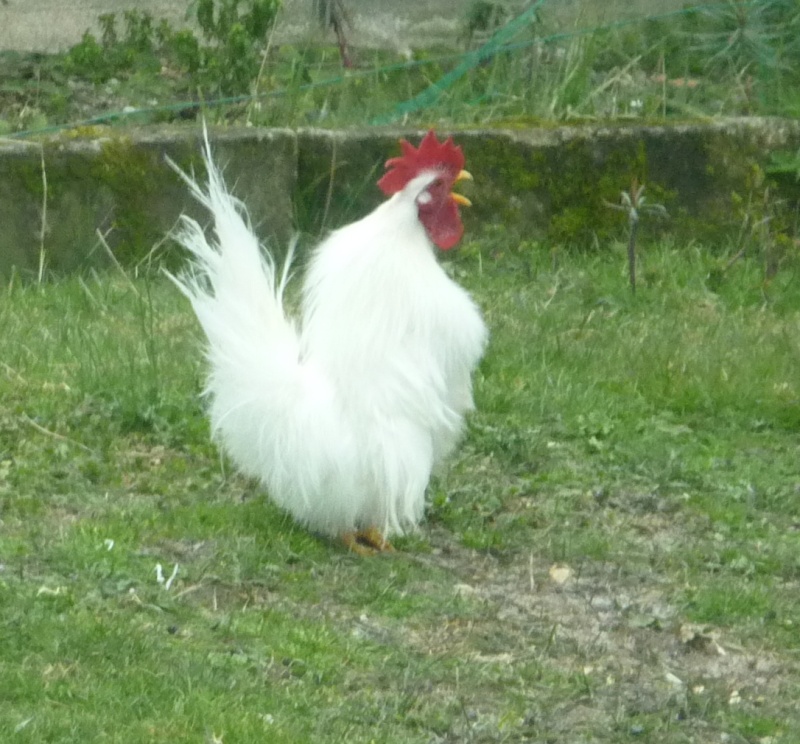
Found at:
(469, 61)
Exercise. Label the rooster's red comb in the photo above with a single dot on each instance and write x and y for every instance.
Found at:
(431, 155)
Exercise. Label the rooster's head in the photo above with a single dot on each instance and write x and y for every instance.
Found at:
(443, 164)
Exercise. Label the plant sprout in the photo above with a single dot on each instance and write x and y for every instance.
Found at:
(633, 203)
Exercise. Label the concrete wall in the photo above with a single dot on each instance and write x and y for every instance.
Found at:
(57, 195)
(548, 184)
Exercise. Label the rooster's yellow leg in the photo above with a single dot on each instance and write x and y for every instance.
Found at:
(367, 542)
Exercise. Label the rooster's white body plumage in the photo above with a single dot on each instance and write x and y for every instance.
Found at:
(344, 415)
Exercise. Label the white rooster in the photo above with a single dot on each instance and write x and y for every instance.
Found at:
(343, 413)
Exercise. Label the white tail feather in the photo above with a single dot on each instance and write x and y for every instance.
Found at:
(270, 411)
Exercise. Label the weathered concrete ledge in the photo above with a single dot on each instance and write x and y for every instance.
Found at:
(549, 184)
(58, 194)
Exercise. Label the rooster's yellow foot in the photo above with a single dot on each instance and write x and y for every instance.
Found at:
(367, 542)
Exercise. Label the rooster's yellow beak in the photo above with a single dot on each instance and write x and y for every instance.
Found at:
(459, 198)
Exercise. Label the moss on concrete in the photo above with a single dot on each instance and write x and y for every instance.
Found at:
(546, 184)
(337, 175)
(555, 185)
(122, 186)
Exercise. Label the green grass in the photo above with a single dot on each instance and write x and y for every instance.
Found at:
(647, 443)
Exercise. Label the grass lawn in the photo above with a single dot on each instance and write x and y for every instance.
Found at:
(614, 554)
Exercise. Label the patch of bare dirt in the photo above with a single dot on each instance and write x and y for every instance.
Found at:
(619, 630)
